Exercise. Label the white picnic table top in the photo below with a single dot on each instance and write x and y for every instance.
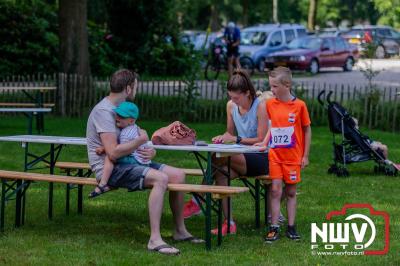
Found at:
(219, 148)
(40, 88)
(26, 110)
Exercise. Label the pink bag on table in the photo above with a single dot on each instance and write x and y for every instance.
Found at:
(176, 133)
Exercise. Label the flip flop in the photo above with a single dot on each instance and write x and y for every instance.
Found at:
(164, 246)
(103, 189)
(191, 239)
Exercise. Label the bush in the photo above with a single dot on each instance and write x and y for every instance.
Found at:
(29, 41)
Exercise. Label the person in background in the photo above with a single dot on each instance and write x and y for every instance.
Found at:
(232, 39)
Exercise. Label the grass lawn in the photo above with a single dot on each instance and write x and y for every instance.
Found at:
(114, 229)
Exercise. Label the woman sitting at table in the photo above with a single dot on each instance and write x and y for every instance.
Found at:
(246, 124)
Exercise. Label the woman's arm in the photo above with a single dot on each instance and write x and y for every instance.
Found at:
(229, 135)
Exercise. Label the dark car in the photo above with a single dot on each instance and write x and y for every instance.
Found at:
(386, 39)
(312, 53)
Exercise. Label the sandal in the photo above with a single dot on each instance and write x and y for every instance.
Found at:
(191, 239)
(160, 248)
(103, 189)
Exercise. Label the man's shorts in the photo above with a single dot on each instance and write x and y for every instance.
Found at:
(131, 176)
(234, 51)
(289, 173)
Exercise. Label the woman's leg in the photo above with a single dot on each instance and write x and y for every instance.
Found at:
(238, 167)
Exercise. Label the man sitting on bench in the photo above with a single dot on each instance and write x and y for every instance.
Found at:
(102, 131)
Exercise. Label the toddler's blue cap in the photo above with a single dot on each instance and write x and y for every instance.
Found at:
(127, 110)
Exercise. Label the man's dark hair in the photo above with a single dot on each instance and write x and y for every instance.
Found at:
(121, 79)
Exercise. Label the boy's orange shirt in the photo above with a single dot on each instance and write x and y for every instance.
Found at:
(287, 136)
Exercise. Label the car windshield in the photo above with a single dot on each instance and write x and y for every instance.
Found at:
(305, 43)
(253, 37)
(354, 33)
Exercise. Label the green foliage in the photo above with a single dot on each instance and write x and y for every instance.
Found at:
(191, 91)
(29, 41)
(101, 54)
(390, 12)
(146, 36)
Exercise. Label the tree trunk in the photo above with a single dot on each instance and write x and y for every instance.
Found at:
(275, 11)
(312, 14)
(214, 22)
(74, 53)
(74, 46)
(245, 13)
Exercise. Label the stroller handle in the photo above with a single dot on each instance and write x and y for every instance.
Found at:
(328, 97)
(319, 97)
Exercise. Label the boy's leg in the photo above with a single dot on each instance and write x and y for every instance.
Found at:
(102, 187)
(276, 194)
(107, 170)
(290, 190)
(291, 178)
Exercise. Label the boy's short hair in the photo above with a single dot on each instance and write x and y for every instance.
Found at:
(283, 74)
(121, 79)
(266, 95)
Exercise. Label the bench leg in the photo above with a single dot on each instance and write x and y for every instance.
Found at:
(3, 204)
(18, 204)
(23, 208)
(257, 202)
(80, 193)
(208, 221)
(266, 209)
(67, 195)
(51, 185)
(30, 118)
(50, 211)
(220, 222)
(80, 199)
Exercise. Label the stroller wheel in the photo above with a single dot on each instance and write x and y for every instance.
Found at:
(376, 169)
(333, 169)
(342, 172)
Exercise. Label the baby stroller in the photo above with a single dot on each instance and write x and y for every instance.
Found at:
(354, 147)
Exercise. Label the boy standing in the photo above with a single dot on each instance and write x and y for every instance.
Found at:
(289, 139)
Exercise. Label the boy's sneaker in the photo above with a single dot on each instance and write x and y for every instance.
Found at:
(191, 209)
(291, 233)
(225, 229)
(273, 234)
(281, 219)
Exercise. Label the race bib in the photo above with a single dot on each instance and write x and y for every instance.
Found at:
(282, 137)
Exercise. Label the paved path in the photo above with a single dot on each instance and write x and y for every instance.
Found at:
(389, 75)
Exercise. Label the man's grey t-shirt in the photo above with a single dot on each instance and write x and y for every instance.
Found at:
(101, 120)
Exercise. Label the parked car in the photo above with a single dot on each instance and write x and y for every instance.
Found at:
(331, 32)
(259, 41)
(312, 53)
(385, 38)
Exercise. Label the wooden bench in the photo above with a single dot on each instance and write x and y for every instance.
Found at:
(33, 93)
(85, 166)
(256, 190)
(22, 181)
(84, 170)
